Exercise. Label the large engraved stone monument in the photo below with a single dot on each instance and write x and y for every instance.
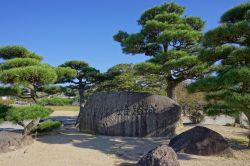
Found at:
(130, 114)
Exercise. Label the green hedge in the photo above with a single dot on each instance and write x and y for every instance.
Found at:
(55, 101)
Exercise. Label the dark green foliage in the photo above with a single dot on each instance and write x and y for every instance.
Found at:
(51, 90)
(75, 64)
(70, 92)
(49, 125)
(37, 75)
(19, 62)
(157, 10)
(26, 74)
(129, 77)
(84, 78)
(227, 49)
(236, 14)
(22, 113)
(9, 52)
(9, 91)
(3, 111)
(65, 74)
(85, 73)
(55, 101)
(171, 39)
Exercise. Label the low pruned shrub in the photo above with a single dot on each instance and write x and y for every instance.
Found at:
(55, 101)
(49, 125)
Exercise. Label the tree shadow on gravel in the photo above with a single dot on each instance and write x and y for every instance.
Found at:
(127, 148)
(130, 149)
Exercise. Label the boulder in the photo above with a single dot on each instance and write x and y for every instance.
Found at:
(131, 114)
(10, 141)
(160, 156)
(200, 141)
(243, 120)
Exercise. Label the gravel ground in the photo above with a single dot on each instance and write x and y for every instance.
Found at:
(68, 147)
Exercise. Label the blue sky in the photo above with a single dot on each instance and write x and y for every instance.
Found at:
(61, 30)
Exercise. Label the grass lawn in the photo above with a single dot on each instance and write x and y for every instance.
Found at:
(64, 108)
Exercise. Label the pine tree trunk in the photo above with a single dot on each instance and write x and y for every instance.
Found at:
(31, 127)
(33, 94)
(171, 91)
(171, 94)
(81, 101)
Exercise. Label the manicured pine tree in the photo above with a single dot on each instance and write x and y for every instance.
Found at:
(227, 50)
(86, 76)
(23, 73)
(171, 39)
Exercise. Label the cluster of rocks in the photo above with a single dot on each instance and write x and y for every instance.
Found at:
(10, 141)
(146, 114)
(198, 141)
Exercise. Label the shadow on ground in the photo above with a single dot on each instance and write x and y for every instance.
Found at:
(129, 149)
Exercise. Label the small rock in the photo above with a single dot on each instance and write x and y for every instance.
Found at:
(26, 151)
(160, 156)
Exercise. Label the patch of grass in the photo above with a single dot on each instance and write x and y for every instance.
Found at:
(64, 108)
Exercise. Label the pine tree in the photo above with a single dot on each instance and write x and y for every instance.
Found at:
(22, 74)
(86, 76)
(171, 39)
(227, 50)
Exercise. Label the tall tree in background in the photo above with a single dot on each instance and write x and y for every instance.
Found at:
(228, 52)
(86, 76)
(171, 39)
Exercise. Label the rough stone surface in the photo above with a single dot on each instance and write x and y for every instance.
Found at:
(130, 114)
(160, 156)
(200, 141)
(10, 141)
